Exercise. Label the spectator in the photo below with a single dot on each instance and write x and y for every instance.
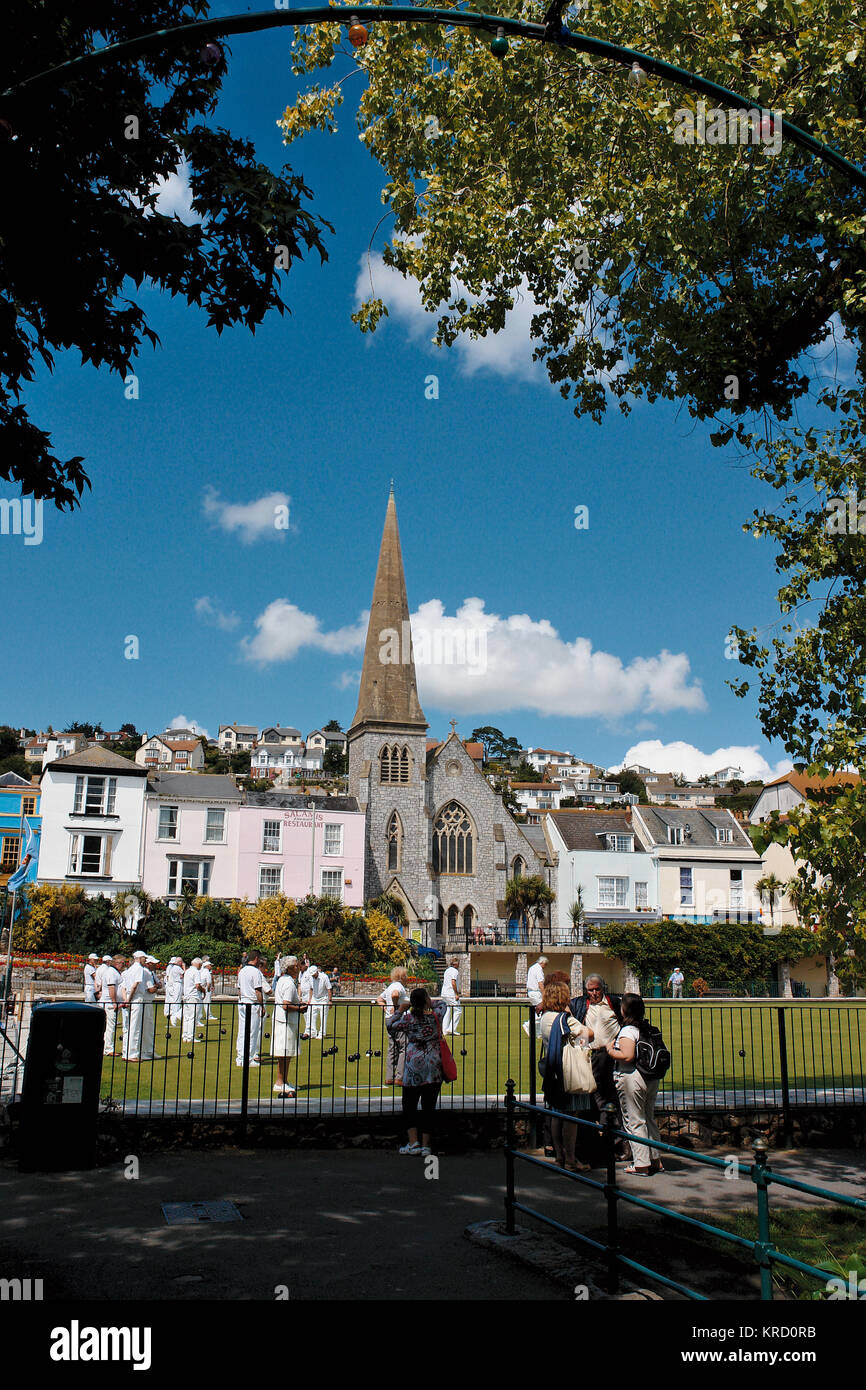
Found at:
(320, 1001)
(637, 1095)
(193, 992)
(392, 995)
(675, 980)
(556, 1024)
(288, 1010)
(90, 977)
(535, 986)
(420, 1022)
(600, 1011)
(451, 995)
(251, 991)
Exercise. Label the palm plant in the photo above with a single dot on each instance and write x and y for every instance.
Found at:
(577, 913)
(770, 887)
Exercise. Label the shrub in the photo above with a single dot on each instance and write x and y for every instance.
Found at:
(386, 940)
(223, 954)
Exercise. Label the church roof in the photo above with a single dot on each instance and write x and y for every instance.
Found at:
(388, 693)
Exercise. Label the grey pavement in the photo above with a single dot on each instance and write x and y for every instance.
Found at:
(354, 1224)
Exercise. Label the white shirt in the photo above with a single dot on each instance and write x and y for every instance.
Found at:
(89, 976)
(206, 977)
(191, 977)
(320, 987)
(250, 978)
(394, 994)
(136, 980)
(286, 990)
(111, 976)
(99, 975)
(450, 983)
(603, 1022)
(304, 984)
(629, 1031)
(535, 979)
(173, 982)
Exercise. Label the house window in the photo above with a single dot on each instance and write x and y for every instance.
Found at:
(622, 844)
(94, 796)
(271, 837)
(270, 880)
(11, 853)
(518, 868)
(736, 888)
(675, 834)
(28, 805)
(641, 895)
(167, 829)
(453, 841)
(394, 841)
(612, 892)
(332, 883)
(724, 835)
(215, 829)
(90, 854)
(192, 873)
(687, 891)
(394, 764)
(333, 839)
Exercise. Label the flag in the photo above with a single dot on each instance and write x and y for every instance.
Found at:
(31, 856)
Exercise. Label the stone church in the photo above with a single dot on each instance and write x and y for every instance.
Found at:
(438, 836)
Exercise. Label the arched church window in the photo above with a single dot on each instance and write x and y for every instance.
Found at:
(394, 763)
(394, 840)
(518, 868)
(453, 841)
(453, 918)
(468, 918)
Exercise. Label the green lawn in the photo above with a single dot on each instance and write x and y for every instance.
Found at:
(715, 1046)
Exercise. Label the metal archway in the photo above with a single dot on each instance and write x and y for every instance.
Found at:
(551, 31)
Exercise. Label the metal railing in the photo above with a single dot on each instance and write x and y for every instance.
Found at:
(779, 1058)
(761, 1250)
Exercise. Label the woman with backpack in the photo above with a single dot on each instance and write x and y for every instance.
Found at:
(636, 1092)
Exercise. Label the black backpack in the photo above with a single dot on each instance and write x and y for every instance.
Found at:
(652, 1056)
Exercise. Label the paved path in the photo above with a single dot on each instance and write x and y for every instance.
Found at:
(352, 1224)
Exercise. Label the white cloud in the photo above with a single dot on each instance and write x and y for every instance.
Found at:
(692, 763)
(476, 660)
(175, 195)
(266, 518)
(180, 721)
(283, 629)
(208, 611)
(507, 353)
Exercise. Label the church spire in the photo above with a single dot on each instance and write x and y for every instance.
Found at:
(388, 693)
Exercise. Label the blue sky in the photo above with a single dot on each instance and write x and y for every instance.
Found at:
(597, 641)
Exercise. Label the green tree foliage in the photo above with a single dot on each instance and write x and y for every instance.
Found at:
(497, 748)
(732, 952)
(631, 782)
(335, 761)
(79, 224)
(223, 954)
(654, 266)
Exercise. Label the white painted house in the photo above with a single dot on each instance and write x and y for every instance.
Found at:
(92, 809)
(599, 853)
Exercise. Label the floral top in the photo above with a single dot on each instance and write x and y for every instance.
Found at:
(423, 1066)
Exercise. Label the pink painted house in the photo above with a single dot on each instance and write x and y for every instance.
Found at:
(286, 846)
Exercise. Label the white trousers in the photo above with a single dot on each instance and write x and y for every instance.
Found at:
(255, 1031)
(637, 1098)
(317, 1016)
(110, 1025)
(534, 997)
(148, 1029)
(190, 1015)
(133, 1018)
(171, 1009)
(208, 1011)
(89, 995)
(453, 1014)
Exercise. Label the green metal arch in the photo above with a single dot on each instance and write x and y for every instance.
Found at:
(203, 30)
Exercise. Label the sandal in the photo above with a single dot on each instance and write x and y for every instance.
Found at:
(641, 1172)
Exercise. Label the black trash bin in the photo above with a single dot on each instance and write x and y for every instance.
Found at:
(60, 1091)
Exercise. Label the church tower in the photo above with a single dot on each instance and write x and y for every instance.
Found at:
(388, 741)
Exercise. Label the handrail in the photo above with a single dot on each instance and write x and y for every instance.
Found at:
(762, 1250)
